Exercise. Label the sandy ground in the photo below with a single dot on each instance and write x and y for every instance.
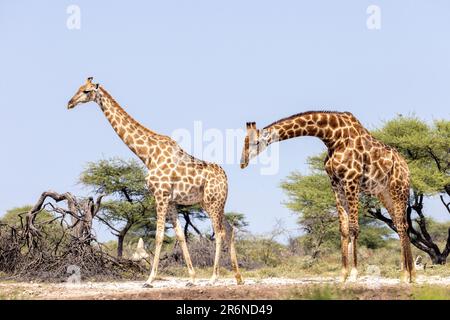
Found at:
(175, 288)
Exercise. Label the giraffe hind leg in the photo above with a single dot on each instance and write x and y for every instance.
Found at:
(223, 232)
(182, 240)
(232, 251)
(397, 211)
(408, 269)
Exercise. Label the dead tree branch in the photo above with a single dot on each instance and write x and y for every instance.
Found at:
(45, 248)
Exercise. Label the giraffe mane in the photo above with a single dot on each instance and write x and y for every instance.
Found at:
(304, 113)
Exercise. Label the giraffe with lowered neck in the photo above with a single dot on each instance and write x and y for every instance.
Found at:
(174, 178)
(356, 163)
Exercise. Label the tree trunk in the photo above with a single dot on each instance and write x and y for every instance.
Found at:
(440, 259)
(188, 223)
(120, 239)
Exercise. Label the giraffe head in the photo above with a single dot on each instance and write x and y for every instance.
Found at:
(256, 141)
(86, 93)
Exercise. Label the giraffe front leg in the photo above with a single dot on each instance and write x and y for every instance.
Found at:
(182, 240)
(344, 247)
(161, 208)
(344, 230)
(215, 275)
(353, 254)
(353, 201)
(219, 232)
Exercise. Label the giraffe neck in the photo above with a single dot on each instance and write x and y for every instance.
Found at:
(327, 126)
(137, 137)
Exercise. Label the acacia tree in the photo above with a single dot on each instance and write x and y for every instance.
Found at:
(237, 220)
(129, 204)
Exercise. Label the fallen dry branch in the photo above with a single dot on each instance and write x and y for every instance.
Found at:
(55, 248)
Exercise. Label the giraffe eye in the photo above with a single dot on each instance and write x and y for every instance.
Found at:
(86, 91)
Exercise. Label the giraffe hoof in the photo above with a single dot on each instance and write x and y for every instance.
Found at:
(190, 284)
(240, 281)
(408, 279)
(413, 278)
(147, 285)
(344, 276)
(353, 276)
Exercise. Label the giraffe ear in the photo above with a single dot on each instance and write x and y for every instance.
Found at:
(96, 86)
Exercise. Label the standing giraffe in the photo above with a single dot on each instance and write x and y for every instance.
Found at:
(174, 177)
(356, 162)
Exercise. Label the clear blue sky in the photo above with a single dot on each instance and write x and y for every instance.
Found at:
(170, 63)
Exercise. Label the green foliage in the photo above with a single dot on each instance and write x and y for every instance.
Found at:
(321, 293)
(237, 220)
(139, 215)
(309, 194)
(312, 199)
(12, 218)
(438, 230)
(121, 178)
(374, 233)
(431, 293)
(260, 251)
(130, 208)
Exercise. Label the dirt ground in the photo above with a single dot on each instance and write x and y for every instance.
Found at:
(175, 288)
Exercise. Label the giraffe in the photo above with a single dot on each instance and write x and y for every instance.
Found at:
(174, 178)
(356, 163)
